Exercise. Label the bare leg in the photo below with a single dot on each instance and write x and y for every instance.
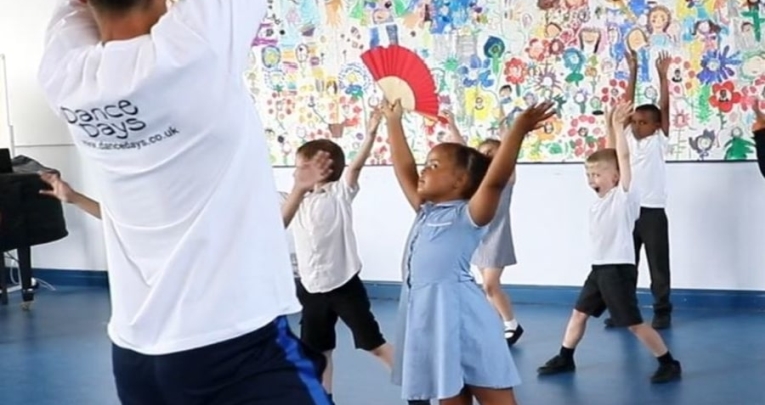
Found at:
(488, 396)
(650, 338)
(385, 354)
(464, 398)
(326, 378)
(494, 293)
(577, 324)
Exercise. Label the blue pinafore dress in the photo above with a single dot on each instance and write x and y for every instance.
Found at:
(448, 333)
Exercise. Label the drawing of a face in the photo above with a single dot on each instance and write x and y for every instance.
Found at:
(504, 92)
(552, 30)
(736, 132)
(536, 49)
(381, 16)
(479, 104)
(590, 39)
(530, 98)
(636, 40)
(658, 19)
(574, 3)
(582, 132)
(677, 76)
(613, 34)
(301, 53)
(754, 66)
(549, 128)
(724, 96)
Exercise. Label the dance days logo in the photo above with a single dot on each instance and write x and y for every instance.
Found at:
(113, 122)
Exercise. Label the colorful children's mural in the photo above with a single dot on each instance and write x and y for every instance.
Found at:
(491, 58)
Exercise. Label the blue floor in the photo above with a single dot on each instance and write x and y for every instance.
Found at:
(59, 354)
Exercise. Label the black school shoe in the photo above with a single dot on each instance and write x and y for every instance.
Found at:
(667, 373)
(557, 365)
(512, 336)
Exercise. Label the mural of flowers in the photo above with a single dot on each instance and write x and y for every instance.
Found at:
(486, 64)
(724, 96)
(476, 72)
(717, 65)
(354, 80)
(480, 104)
(515, 72)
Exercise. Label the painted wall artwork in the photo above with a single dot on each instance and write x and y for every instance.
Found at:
(488, 56)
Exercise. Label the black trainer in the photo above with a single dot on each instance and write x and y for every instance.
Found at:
(667, 373)
(663, 321)
(512, 335)
(557, 365)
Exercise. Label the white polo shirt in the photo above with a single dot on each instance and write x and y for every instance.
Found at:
(325, 244)
(649, 169)
(612, 220)
(189, 202)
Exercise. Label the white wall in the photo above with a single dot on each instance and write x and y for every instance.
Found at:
(717, 215)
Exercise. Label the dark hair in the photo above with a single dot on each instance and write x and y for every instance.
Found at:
(119, 5)
(651, 109)
(309, 149)
(475, 163)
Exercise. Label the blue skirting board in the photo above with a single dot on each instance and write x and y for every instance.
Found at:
(522, 294)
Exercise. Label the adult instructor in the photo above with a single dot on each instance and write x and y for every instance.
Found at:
(198, 266)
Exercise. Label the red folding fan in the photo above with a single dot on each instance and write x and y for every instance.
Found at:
(402, 75)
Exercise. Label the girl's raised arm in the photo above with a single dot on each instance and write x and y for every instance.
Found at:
(403, 161)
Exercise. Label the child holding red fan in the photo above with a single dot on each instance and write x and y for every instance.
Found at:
(446, 347)
(496, 250)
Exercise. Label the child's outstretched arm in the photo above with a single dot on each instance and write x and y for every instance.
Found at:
(454, 135)
(610, 138)
(354, 169)
(759, 136)
(307, 175)
(62, 191)
(483, 204)
(619, 116)
(662, 66)
(403, 161)
(632, 58)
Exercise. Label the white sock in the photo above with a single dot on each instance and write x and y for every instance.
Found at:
(511, 324)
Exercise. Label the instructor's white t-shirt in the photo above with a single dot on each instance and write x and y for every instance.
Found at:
(194, 237)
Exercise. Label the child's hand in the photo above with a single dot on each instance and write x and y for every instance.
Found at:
(392, 112)
(621, 114)
(662, 64)
(374, 121)
(59, 188)
(312, 171)
(532, 118)
(449, 117)
(759, 122)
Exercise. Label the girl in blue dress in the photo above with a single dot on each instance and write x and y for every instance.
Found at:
(447, 346)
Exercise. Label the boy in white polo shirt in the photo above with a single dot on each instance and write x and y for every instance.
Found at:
(328, 260)
(612, 282)
(200, 279)
(647, 136)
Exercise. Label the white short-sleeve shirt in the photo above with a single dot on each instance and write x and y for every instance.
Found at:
(649, 172)
(189, 202)
(325, 243)
(612, 220)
